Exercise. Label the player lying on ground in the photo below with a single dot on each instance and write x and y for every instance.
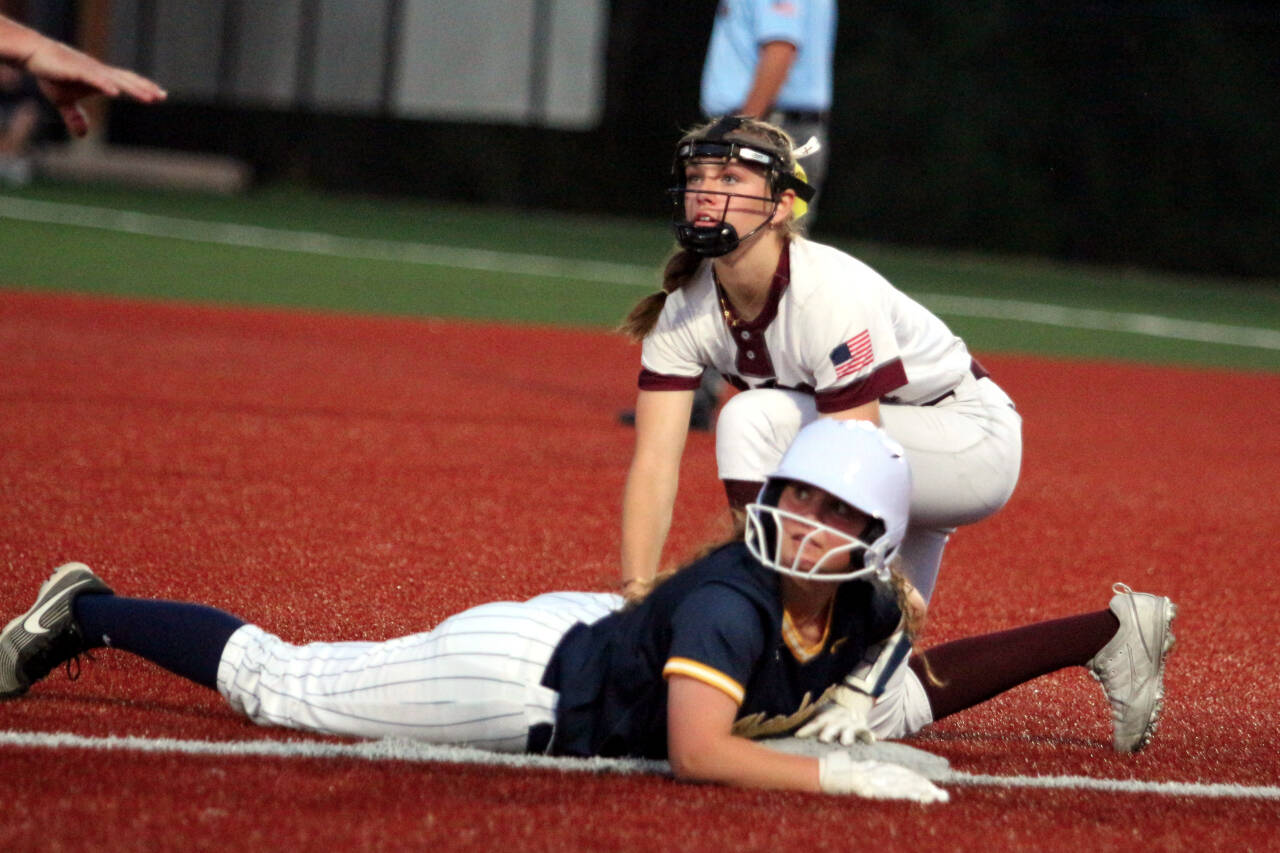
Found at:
(740, 644)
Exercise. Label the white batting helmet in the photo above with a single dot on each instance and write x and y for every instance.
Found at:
(858, 463)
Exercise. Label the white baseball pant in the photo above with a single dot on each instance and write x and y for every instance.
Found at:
(902, 709)
(474, 679)
(965, 453)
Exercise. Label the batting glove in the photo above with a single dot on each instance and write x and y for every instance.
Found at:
(839, 773)
(843, 719)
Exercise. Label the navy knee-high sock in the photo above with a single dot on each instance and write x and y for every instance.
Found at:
(186, 639)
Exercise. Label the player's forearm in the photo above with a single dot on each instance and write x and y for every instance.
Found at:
(17, 43)
(771, 74)
(646, 518)
(737, 761)
(869, 411)
(662, 426)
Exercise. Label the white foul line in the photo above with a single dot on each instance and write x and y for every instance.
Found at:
(548, 266)
(1110, 321)
(388, 749)
(416, 751)
(317, 243)
(1210, 790)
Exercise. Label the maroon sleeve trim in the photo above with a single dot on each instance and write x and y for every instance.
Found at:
(650, 381)
(889, 376)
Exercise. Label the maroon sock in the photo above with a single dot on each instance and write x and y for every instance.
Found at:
(741, 492)
(975, 669)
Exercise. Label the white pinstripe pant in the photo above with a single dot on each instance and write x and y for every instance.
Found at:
(474, 679)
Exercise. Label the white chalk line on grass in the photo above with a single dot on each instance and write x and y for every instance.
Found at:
(318, 243)
(416, 751)
(1107, 321)
(548, 266)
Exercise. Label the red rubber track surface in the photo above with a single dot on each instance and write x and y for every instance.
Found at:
(335, 477)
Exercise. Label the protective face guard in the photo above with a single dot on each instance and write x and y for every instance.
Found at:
(712, 241)
(764, 534)
(723, 238)
(722, 151)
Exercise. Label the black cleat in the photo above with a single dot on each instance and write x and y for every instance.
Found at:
(46, 635)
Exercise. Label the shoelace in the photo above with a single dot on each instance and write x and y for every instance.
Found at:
(1120, 588)
(75, 659)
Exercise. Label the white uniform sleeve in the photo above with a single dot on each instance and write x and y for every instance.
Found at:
(852, 338)
(673, 349)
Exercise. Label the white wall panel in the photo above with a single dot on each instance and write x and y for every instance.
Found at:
(575, 82)
(461, 61)
(465, 60)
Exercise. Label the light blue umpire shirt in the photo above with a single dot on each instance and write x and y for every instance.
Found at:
(742, 26)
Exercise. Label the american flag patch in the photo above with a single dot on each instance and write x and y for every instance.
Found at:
(853, 355)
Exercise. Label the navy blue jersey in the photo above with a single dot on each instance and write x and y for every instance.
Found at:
(721, 621)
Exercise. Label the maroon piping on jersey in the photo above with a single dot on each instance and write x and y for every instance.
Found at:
(887, 377)
(650, 381)
(748, 335)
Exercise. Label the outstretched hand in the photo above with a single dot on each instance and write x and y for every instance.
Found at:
(66, 76)
(840, 773)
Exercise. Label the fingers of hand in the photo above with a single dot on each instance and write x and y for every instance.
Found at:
(839, 773)
(836, 724)
(137, 87)
(75, 119)
(819, 727)
(635, 589)
(66, 74)
(843, 719)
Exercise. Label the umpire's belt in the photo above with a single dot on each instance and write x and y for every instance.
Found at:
(804, 115)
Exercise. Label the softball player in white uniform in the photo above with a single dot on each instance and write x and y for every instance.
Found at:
(804, 331)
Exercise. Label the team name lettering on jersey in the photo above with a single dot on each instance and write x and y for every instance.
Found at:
(754, 726)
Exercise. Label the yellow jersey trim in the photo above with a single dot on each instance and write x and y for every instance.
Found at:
(707, 675)
(800, 650)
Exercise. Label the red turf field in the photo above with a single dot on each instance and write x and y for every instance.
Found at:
(351, 478)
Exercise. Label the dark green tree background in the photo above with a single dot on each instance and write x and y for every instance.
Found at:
(1140, 133)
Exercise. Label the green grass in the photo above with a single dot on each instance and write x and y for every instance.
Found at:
(72, 258)
(90, 261)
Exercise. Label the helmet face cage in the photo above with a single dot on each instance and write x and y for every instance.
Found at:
(855, 557)
(715, 240)
(723, 238)
(854, 461)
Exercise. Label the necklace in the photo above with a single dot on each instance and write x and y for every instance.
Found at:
(731, 318)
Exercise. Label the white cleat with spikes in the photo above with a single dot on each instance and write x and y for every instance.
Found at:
(1131, 666)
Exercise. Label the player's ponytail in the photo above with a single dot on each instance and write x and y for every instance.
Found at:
(912, 616)
(643, 317)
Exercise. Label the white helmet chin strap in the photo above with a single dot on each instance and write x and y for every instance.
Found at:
(759, 539)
